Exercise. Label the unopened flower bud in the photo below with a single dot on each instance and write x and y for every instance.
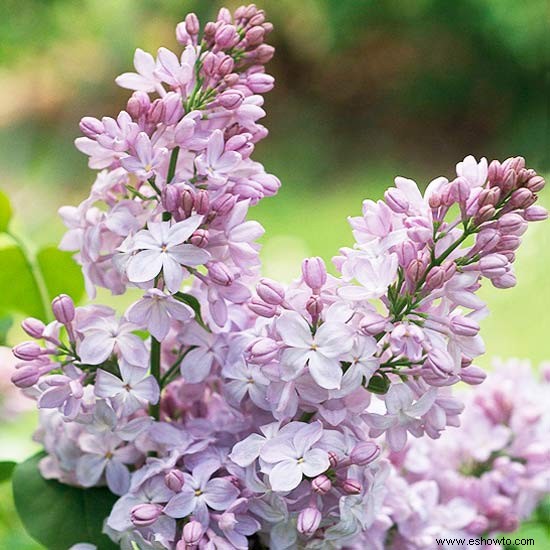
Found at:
(314, 306)
(143, 515)
(440, 362)
(487, 240)
(508, 280)
(201, 202)
(174, 480)
(478, 526)
(396, 200)
(522, 198)
(260, 83)
(314, 273)
(255, 35)
(91, 127)
(512, 224)
(263, 350)
(372, 323)
(27, 351)
(25, 377)
(226, 37)
(261, 308)
(488, 197)
(485, 213)
(192, 25)
(63, 309)
(321, 484)
(192, 533)
(535, 184)
(435, 278)
(472, 375)
(170, 198)
(493, 265)
(187, 201)
(352, 486)
(219, 274)
(156, 114)
(333, 459)
(231, 99)
(33, 327)
(271, 292)
(199, 238)
(535, 213)
(464, 326)
(460, 190)
(415, 270)
(226, 66)
(364, 453)
(309, 520)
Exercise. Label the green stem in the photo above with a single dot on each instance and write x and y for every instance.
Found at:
(155, 371)
(36, 274)
(172, 166)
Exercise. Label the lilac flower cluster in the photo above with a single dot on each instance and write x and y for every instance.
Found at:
(479, 480)
(223, 415)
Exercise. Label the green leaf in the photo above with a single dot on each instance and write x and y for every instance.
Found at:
(61, 273)
(5, 212)
(379, 383)
(6, 470)
(19, 290)
(193, 303)
(58, 515)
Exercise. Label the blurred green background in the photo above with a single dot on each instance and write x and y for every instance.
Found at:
(366, 90)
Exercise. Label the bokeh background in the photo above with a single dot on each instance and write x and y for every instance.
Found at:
(366, 90)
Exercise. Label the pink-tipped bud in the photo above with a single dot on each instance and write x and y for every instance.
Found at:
(27, 351)
(174, 480)
(440, 362)
(314, 273)
(144, 515)
(260, 83)
(192, 533)
(187, 201)
(192, 25)
(352, 486)
(488, 197)
(255, 35)
(226, 65)
(472, 375)
(415, 270)
(372, 323)
(494, 172)
(364, 453)
(259, 307)
(460, 190)
(435, 278)
(512, 224)
(522, 198)
(156, 114)
(333, 459)
(464, 326)
(138, 105)
(309, 520)
(535, 184)
(485, 213)
(226, 37)
(63, 309)
(263, 350)
(487, 240)
(493, 265)
(271, 292)
(200, 238)
(321, 485)
(25, 377)
(33, 327)
(201, 202)
(91, 127)
(396, 200)
(170, 198)
(535, 213)
(220, 274)
(508, 280)
(231, 99)
(314, 306)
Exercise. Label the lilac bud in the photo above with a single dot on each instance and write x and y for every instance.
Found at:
(192, 533)
(224, 15)
(487, 240)
(263, 350)
(514, 163)
(226, 37)
(494, 172)
(522, 198)
(508, 243)
(435, 201)
(352, 486)
(199, 238)
(512, 223)
(27, 351)
(174, 480)
(260, 83)
(224, 204)
(63, 308)
(333, 459)
(264, 53)
(255, 35)
(493, 265)
(314, 273)
(156, 114)
(309, 520)
(25, 377)
(201, 202)
(508, 280)
(192, 25)
(138, 105)
(257, 19)
(364, 453)
(220, 274)
(91, 127)
(485, 213)
(314, 306)
(464, 326)
(535, 213)
(33, 327)
(406, 252)
(271, 292)
(173, 108)
(210, 64)
(235, 143)
(187, 201)
(535, 184)
(143, 515)
(460, 190)
(170, 198)
(488, 197)
(435, 278)
(373, 323)
(415, 270)
(231, 99)
(259, 307)
(321, 485)
(472, 375)
(226, 65)
(509, 183)
(440, 362)
(396, 200)
(478, 526)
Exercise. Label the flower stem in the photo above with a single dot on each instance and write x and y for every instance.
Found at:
(155, 371)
